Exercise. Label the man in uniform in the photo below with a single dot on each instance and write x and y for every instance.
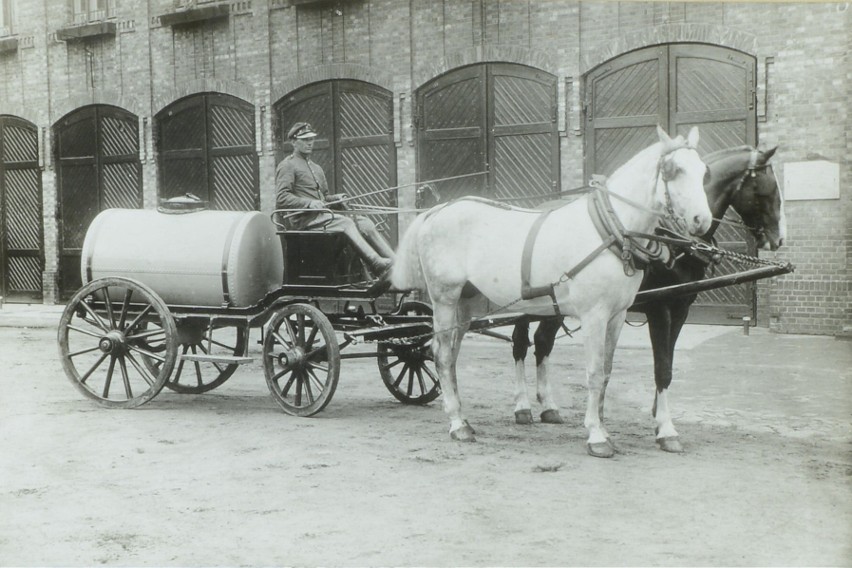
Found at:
(301, 184)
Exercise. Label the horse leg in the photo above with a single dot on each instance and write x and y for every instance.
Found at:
(545, 336)
(520, 346)
(664, 324)
(444, 348)
(596, 326)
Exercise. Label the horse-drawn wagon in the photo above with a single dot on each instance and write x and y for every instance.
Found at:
(170, 296)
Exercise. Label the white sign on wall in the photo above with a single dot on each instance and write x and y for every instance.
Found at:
(817, 179)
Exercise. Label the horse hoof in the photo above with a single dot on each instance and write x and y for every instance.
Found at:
(463, 434)
(670, 444)
(467, 425)
(523, 416)
(551, 416)
(601, 449)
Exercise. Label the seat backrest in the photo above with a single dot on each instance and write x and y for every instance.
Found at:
(319, 257)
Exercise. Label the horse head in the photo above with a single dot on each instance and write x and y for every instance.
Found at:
(680, 183)
(759, 202)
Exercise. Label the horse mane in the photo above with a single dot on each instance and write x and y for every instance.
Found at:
(719, 154)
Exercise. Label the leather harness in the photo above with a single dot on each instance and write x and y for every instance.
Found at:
(613, 236)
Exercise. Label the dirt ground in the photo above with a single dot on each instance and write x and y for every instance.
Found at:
(226, 479)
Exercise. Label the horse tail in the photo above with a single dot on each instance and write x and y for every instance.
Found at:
(407, 273)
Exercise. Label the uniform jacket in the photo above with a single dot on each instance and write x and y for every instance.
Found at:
(298, 183)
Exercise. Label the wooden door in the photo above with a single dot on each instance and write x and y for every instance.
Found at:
(354, 146)
(498, 118)
(206, 146)
(677, 86)
(97, 157)
(21, 232)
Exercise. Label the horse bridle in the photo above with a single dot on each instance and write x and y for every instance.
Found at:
(750, 173)
(661, 174)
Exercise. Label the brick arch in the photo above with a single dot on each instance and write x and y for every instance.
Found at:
(18, 111)
(233, 88)
(100, 97)
(329, 72)
(484, 54)
(670, 33)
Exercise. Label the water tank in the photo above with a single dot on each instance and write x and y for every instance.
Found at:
(198, 258)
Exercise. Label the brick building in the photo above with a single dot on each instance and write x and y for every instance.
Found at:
(120, 103)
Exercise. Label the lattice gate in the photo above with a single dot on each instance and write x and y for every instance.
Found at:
(98, 167)
(677, 87)
(495, 117)
(206, 146)
(21, 230)
(355, 142)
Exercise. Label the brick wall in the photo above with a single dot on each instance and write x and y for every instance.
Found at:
(266, 48)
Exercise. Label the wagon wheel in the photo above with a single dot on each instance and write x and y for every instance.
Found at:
(196, 377)
(109, 323)
(407, 369)
(301, 359)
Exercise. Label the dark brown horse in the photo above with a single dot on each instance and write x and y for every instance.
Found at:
(741, 178)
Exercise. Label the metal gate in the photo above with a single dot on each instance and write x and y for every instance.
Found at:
(494, 117)
(354, 146)
(97, 157)
(677, 86)
(21, 231)
(206, 146)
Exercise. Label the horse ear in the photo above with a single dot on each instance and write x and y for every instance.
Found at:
(664, 137)
(768, 154)
(692, 137)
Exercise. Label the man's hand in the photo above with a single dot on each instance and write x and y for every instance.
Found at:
(316, 204)
(334, 197)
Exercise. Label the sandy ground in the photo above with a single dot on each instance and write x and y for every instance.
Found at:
(226, 478)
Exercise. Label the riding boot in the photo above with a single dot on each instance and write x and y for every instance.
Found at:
(376, 263)
(380, 244)
(375, 238)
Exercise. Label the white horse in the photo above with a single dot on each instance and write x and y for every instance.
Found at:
(473, 247)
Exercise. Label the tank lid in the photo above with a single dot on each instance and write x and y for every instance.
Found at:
(186, 203)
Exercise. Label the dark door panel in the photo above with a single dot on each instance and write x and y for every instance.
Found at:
(21, 229)
(494, 117)
(97, 157)
(354, 146)
(206, 146)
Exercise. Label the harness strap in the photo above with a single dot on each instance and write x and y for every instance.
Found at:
(528, 291)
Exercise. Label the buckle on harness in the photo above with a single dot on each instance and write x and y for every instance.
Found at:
(627, 259)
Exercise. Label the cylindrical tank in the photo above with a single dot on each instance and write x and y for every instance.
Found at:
(203, 258)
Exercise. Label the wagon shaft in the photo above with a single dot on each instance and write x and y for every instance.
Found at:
(667, 292)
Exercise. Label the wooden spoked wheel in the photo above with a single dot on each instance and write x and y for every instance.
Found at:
(196, 338)
(301, 359)
(408, 369)
(105, 334)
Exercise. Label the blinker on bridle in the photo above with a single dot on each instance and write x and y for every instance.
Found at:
(750, 173)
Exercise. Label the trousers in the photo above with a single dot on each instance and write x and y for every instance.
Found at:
(361, 232)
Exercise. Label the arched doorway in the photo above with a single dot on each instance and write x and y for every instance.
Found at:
(677, 86)
(21, 229)
(206, 146)
(354, 146)
(494, 117)
(97, 163)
